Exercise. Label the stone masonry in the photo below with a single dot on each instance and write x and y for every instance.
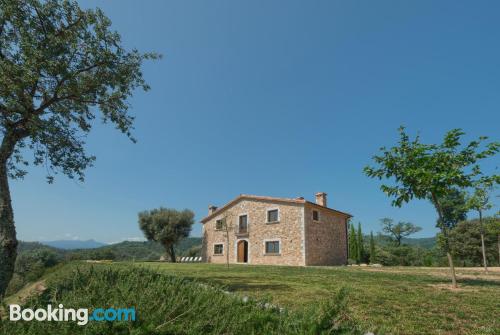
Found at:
(302, 240)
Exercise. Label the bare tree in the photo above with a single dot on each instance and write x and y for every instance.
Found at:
(227, 226)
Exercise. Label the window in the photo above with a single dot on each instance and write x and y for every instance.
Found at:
(272, 215)
(243, 224)
(315, 216)
(272, 247)
(218, 249)
(219, 224)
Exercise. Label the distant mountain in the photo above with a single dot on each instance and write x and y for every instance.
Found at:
(74, 244)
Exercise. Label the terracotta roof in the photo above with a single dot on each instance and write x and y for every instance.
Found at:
(272, 199)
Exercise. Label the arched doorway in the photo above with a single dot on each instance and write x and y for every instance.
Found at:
(242, 251)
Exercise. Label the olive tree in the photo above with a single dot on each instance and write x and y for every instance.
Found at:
(61, 67)
(430, 171)
(167, 226)
(398, 230)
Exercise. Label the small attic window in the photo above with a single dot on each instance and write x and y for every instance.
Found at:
(315, 215)
(219, 224)
(272, 216)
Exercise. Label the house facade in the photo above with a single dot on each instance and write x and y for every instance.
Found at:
(275, 231)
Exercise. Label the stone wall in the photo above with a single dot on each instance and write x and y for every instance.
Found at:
(326, 241)
(289, 231)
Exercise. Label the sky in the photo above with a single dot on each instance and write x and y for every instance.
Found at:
(275, 98)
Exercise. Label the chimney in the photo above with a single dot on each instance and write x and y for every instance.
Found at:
(321, 198)
(211, 209)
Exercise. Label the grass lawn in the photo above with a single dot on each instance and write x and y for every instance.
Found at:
(389, 300)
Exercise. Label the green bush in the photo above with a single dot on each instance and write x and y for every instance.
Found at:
(172, 305)
(31, 265)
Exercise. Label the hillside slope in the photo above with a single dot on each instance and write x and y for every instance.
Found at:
(165, 304)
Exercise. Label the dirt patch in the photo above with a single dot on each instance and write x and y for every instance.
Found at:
(448, 287)
(476, 273)
(35, 288)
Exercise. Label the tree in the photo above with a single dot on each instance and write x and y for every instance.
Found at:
(430, 171)
(480, 202)
(227, 226)
(360, 245)
(454, 207)
(166, 226)
(493, 227)
(372, 249)
(466, 240)
(399, 230)
(353, 243)
(60, 66)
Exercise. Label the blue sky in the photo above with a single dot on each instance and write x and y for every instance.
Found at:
(275, 98)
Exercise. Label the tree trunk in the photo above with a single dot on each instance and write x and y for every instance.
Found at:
(172, 253)
(483, 249)
(452, 270)
(498, 245)
(227, 247)
(447, 241)
(8, 241)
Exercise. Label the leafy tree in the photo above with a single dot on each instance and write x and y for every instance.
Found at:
(373, 254)
(60, 66)
(430, 171)
(480, 202)
(166, 226)
(194, 251)
(399, 230)
(494, 228)
(454, 206)
(360, 245)
(353, 243)
(466, 241)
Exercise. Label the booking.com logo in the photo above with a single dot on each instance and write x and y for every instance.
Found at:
(81, 315)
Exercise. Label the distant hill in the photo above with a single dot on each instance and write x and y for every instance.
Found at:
(122, 251)
(74, 244)
(422, 242)
(128, 250)
(24, 246)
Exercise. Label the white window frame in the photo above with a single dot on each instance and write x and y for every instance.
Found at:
(213, 249)
(273, 240)
(267, 215)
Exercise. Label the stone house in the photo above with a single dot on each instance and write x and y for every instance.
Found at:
(275, 231)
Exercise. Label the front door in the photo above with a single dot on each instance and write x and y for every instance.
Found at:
(242, 251)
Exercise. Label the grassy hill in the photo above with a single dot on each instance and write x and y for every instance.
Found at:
(168, 304)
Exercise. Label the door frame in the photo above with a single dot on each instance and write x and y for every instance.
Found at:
(236, 250)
